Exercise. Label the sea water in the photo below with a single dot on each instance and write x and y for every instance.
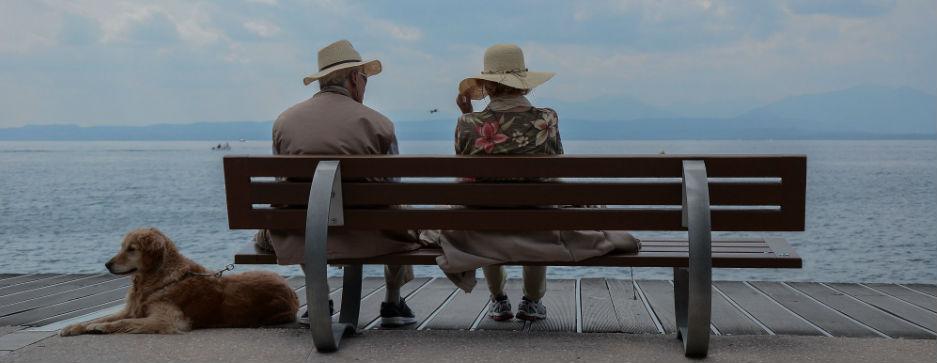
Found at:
(64, 206)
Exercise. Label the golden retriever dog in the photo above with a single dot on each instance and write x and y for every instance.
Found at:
(171, 294)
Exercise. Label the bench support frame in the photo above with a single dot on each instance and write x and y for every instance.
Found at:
(324, 210)
(693, 284)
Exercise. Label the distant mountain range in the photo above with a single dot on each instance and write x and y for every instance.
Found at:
(864, 112)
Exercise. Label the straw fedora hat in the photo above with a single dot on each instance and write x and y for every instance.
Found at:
(341, 55)
(504, 64)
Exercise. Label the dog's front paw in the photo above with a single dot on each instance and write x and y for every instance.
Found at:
(98, 328)
(72, 330)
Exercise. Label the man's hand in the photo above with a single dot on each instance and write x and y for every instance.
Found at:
(464, 103)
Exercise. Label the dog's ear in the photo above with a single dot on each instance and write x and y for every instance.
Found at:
(154, 246)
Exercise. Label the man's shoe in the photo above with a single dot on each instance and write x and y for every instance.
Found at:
(394, 315)
(304, 319)
(531, 310)
(500, 309)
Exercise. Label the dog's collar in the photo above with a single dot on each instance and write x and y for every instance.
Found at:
(187, 274)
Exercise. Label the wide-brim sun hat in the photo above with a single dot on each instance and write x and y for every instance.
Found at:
(504, 64)
(341, 55)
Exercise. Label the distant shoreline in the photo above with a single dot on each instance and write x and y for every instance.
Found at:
(649, 129)
(896, 138)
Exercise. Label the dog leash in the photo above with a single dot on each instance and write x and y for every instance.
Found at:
(218, 274)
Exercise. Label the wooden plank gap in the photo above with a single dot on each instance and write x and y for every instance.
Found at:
(926, 289)
(712, 327)
(778, 303)
(579, 304)
(909, 296)
(879, 308)
(876, 331)
(481, 315)
(650, 311)
(430, 318)
(744, 312)
(611, 300)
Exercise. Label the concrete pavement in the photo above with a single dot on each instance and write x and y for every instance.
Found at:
(294, 345)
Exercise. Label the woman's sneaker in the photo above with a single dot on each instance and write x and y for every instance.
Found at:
(500, 309)
(531, 310)
(394, 315)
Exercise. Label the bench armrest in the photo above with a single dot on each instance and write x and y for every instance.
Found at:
(693, 285)
(324, 209)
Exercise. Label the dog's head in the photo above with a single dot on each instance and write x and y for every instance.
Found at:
(142, 250)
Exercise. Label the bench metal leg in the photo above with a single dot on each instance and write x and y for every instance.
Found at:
(324, 210)
(351, 295)
(693, 284)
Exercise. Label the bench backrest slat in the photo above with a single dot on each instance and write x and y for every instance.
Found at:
(489, 194)
(770, 198)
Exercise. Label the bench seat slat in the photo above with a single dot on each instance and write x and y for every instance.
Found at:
(525, 219)
(646, 258)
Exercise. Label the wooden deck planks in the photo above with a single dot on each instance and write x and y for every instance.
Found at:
(425, 301)
(296, 282)
(514, 289)
(925, 288)
(37, 284)
(660, 297)
(632, 313)
(767, 311)
(67, 285)
(560, 301)
(368, 286)
(31, 316)
(62, 297)
(598, 310)
(461, 312)
(849, 310)
(907, 294)
(891, 305)
(820, 315)
(74, 313)
(729, 320)
(19, 279)
(870, 316)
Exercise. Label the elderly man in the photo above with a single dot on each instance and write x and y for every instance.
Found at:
(335, 121)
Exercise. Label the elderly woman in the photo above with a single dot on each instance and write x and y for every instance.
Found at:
(510, 125)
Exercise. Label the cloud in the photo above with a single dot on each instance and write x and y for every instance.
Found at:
(396, 31)
(261, 28)
(27, 26)
(80, 61)
(842, 8)
(129, 22)
(653, 25)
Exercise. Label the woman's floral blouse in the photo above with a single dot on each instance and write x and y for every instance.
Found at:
(490, 132)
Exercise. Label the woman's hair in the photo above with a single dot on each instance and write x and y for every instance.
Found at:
(495, 89)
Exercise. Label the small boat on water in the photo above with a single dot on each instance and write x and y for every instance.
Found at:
(221, 147)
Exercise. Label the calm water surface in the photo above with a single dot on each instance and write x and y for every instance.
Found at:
(64, 206)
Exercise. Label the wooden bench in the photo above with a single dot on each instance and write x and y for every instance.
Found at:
(694, 193)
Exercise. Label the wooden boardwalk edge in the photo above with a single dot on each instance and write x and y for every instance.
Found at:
(34, 304)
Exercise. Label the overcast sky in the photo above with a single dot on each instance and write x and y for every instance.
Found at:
(159, 61)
